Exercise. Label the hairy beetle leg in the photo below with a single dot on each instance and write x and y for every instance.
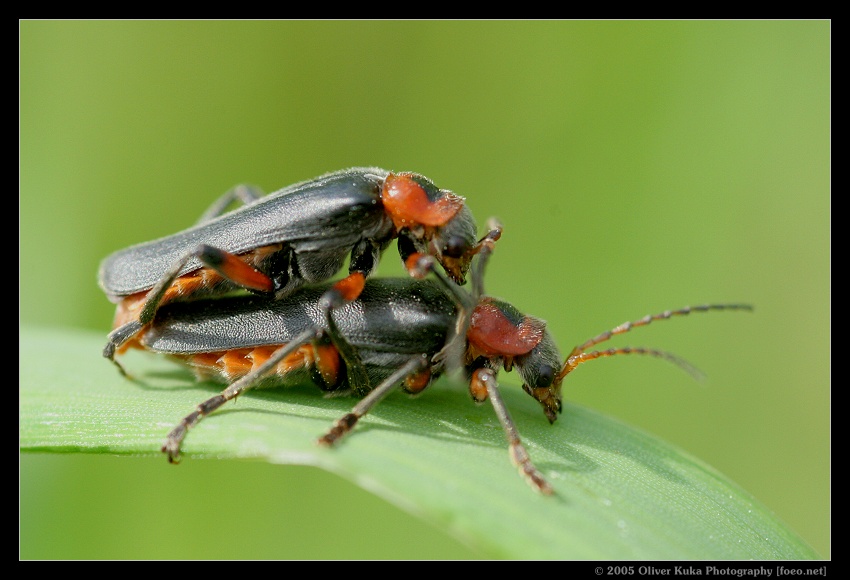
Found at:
(347, 422)
(451, 355)
(485, 250)
(246, 194)
(344, 291)
(118, 337)
(491, 237)
(232, 268)
(228, 265)
(519, 455)
(172, 443)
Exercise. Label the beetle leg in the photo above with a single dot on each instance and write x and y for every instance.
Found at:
(228, 265)
(344, 291)
(451, 355)
(172, 444)
(358, 379)
(366, 255)
(225, 263)
(247, 194)
(518, 453)
(364, 259)
(232, 268)
(420, 265)
(485, 249)
(346, 423)
(118, 337)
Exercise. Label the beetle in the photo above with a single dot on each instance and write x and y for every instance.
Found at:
(397, 328)
(301, 234)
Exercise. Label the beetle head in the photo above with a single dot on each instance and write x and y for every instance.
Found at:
(431, 221)
(499, 332)
(540, 374)
(454, 244)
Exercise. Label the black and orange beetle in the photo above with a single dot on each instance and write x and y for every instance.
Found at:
(301, 234)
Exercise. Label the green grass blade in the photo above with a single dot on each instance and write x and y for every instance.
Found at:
(621, 494)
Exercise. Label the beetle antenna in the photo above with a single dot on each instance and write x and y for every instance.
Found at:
(573, 361)
(579, 354)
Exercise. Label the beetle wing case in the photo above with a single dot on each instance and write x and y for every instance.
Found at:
(314, 217)
(392, 319)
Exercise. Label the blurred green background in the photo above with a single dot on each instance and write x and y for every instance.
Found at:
(637, 166)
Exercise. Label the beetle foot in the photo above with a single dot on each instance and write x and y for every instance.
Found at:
(340, 427)
(171, 447)
(520, 458)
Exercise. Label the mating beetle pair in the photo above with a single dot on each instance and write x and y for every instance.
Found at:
(299, 235)
(383, 334)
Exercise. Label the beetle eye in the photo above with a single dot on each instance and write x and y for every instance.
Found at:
(545, 375)
(455, 247)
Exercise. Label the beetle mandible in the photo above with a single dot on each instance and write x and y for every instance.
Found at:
(301, 234)
(397, 328)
